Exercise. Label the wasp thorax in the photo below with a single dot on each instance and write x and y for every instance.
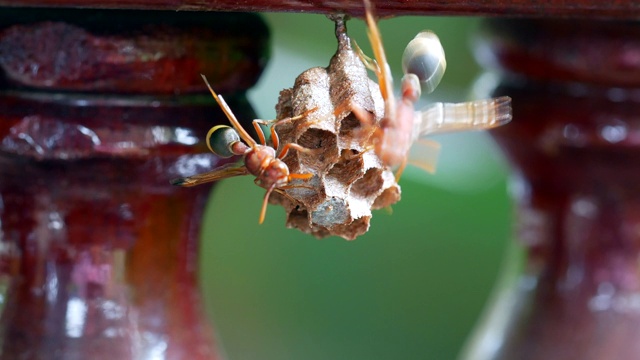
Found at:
(257, 159)
(410, 87)
(276, 172)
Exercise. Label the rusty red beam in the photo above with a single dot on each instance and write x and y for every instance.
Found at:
(619, 9)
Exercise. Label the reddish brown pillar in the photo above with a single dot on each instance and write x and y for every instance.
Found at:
(575, 144)
(98, 111)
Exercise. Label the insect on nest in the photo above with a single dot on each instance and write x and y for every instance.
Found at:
(347, 133)
(402, 128)
(260, 160)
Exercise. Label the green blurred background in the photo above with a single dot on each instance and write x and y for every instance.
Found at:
(411, 288)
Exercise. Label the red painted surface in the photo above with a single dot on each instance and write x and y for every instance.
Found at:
(575, 142)
(150, 52)
(545, 8)
(99, 252)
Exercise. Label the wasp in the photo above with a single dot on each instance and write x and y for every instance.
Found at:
(403, 128)
(259, 159)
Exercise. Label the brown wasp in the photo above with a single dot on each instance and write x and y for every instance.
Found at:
(259, 159)
(402, 126)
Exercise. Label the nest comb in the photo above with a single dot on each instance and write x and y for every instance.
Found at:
(349, 179)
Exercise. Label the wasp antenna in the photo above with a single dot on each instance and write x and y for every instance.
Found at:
(180, 182)
(384, 73)
(232, 118)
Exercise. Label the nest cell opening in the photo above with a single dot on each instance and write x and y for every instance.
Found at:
(388, 197)
(348, 169)
(368, 185)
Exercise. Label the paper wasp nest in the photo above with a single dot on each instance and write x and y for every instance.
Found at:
(349, 180)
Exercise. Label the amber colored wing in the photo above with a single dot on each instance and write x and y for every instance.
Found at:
(222, 172)
(424, 154)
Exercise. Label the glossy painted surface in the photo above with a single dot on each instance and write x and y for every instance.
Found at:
(99, 252)
(590, 8)
(150, 52)
(574, 142)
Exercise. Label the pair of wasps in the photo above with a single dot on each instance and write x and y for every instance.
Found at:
(401, 127)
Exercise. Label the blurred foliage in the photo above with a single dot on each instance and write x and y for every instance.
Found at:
(413, 287)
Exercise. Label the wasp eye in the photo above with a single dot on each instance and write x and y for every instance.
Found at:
(220, 139)
(424, 57)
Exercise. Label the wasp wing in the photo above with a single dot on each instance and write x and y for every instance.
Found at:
(424, 154)
(473, 115)
(222, 172)
(450, 117)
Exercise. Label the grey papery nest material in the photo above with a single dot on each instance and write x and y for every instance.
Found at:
(349, 179)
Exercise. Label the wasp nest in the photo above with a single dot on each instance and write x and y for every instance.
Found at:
(349, 180)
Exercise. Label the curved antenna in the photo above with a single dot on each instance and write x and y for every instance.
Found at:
(385, 80)
(232, 118)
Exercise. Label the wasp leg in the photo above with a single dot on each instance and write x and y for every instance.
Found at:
(368, 62)
(294, 118)
(272, 123)
(256, 125)
(263, 210)
(265, 201)
(305, 176)
(300, 148)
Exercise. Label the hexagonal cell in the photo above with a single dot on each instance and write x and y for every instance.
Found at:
(355, 134)
(353, 230)
(349, 167)
(310, 192)
(317, 139)
(324, 150)
(369, 185)
(388, 197)
(349, 124)
(331, 212)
